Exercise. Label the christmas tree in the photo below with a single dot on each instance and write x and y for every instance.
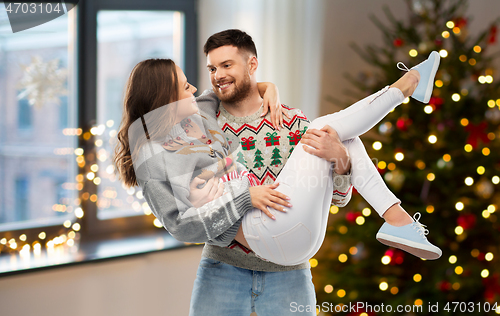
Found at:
(440, 159)
(276, 157)
(258, 159)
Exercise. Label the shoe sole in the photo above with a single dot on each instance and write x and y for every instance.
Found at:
(430, 84)
(419, 252)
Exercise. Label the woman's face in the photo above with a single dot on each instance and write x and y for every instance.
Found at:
(186, 105)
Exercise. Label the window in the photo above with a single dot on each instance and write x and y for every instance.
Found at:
(124, 38)
(38, 67)
(90, 52)
(23, 114)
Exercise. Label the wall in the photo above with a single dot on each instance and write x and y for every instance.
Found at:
(152, 284)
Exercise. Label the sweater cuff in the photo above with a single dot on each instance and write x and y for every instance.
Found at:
(243, 204)
(342, 189)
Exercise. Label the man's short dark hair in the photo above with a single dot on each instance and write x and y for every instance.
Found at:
(233, 37)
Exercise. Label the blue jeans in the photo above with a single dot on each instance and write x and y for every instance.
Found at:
(221, 289)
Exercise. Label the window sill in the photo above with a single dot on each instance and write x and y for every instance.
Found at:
(88, 251)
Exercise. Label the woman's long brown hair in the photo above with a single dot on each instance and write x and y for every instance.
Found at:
(151, 85)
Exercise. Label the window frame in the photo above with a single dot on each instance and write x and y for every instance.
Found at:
(92, 228)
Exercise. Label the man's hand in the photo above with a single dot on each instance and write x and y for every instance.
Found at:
(210, 191)
(326, 144)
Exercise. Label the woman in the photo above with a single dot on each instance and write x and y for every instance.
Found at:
(193, 146)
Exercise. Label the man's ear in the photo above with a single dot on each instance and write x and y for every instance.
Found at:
(253, 64)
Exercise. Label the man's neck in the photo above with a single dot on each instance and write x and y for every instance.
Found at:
(245, 107)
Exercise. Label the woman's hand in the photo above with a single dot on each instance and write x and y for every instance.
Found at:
(209, 192)
(265, 195)
(269, 92)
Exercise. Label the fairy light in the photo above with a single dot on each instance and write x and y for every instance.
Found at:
(157, 223)
(480, 170)
(468, 148)
(459, 230)
(445, 34)
(386, 260)
(399, 156)
(485, 151)
(485, 214)
(443, 53)
(76, 227)
(489, 256)
(477, 49)
(342, 257)
(417, 278)
(452, 259)
(413, 53)
(334, 209)
(455, 97)
(428, 109)
(432, 139)
(313, 262)
(481, 79)
(438, 83)
(456, 30)
(383, 286)
(328, 288)
(406, 101)
(462, 58)
(418, 302)
(67, 223)
(469, 181)
(472, 62)
(360, 220)
(353, 250)
(485, 273)
(341, 293)
(459, 206)
(366, 211)
(429, 209)
(394, 290)
(459, 270)
(79, 212)
(488, 79)
(377, 145)
(431, 176)
(491, 103)
(495, 179)
(491, 208)
(450, 24)
(420, 164)
(382, 165)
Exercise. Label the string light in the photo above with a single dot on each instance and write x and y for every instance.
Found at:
(383, 286)
(431, 176)
(366, 211)
(480, 170)
(485, 273)
(428, 109)
(342, 257)
(488, 256)
(452, 259)
(443, 53)
(495, 179)
(417, 278)
(429, 209)
(459, 206)
(450, 24)
(432, 139)
(377, 145)
(469, 181)
(477, 49)
(468, 148)
(455, 97)
(399, 156)
(459, 270)
(459, 230)
(313, 262)
(382, 165)
(328, 288)
(413, 53)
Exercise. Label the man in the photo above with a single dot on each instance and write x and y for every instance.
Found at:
(232, 280)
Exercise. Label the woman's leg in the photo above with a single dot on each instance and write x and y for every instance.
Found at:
(307, 179)
(295, 235)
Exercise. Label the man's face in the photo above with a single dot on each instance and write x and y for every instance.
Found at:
(229, 73)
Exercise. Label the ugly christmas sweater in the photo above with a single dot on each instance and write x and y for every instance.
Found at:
(264, 151)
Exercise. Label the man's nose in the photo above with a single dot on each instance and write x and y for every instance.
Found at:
(220, 74)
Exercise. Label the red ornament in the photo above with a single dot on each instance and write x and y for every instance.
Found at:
(444, 286)
(467, 221)
(460, 22)
(436, 102)
(403, 123)
(492, 36)
(491, 287)
(477, 132)
(398, 42)
(351, 216)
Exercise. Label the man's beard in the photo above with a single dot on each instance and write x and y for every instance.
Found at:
(239, 93)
